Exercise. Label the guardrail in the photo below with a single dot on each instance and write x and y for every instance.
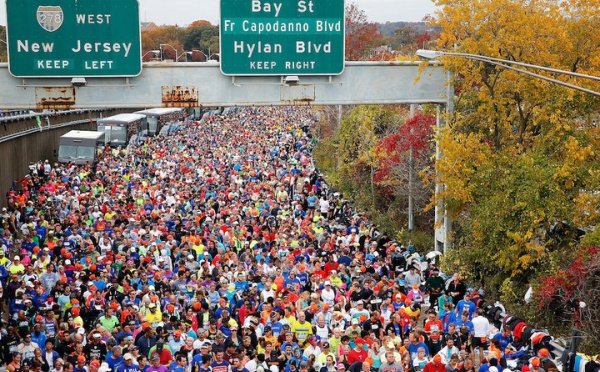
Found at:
(44, 128)
(10, 118)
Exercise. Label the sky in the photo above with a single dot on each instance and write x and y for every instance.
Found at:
(184, 12)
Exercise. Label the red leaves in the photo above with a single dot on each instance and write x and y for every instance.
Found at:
(424, 38)
(394, 149)
(361, 35)
(414, 133)
(565, 282)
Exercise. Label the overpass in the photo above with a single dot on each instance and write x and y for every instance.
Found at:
(193, 84)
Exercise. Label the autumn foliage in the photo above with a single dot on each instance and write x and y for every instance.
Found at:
(562, 285)
(393, 150)
(571, 294)
(361, 35)
(199, 35)
(372, 164)
(198, 23)
(520, 164)
(3, 54)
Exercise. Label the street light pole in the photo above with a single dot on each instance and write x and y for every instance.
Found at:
(207, 57)
(504, 63)
(151, 51)
(177, 55)
(411, 219)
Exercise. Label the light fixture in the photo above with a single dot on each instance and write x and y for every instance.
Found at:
(78, 82)
(291, 80)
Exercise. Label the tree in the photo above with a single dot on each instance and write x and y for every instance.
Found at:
(423, 40)
(198, 23)
(516, 163)
(151, 39)
(570, 296)
(403, 37)
(360, 131)
(406, 154)
(204, 38)
(3, 51)
(370, 165)
(361, 35)
(173, 50)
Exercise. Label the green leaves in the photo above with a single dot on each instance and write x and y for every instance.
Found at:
(205, 38)
(368, 159)
(3, 51)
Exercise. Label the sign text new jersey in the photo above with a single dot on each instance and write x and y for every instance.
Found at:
(55, 38)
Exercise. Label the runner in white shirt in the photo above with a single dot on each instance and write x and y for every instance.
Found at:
(481, 330)
(328, 294)
(321, 328)
(324, 206)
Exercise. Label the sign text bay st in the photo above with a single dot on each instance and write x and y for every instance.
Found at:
(297, 37)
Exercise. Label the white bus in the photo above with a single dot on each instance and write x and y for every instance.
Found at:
(157, 118)
(80, 147)
(120, 129)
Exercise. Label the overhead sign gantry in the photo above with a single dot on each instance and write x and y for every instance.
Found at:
(86, 53)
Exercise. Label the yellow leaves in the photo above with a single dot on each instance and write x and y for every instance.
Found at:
(461, 152)
(587, 204)
(574, 156)
(519, 206)
(525, 260)
(565, 175)
(508, 292)
(513, 163)
(540, 32)
(572, 145)
(525, 248)
(537, 217)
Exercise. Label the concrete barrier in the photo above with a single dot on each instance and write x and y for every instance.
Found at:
(23, 142)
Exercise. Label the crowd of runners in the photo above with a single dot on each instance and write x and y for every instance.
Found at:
(219, 248)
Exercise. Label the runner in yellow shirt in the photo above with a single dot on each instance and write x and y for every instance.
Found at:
(17, 267)
(301, 328)
(154, 316)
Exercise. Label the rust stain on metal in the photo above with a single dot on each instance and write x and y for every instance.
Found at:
(302, 94)
(179, 96)
(54, 97)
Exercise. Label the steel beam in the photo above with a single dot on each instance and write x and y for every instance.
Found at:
(202, 84)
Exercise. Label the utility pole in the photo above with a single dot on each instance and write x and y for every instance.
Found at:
(411, 218)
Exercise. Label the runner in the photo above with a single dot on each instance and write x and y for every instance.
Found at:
(213, 248)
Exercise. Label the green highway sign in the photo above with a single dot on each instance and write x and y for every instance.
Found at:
(282, 37)
(73, 38)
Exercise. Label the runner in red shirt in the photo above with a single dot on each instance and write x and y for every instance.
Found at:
(358, 354)
(435, 365)
(434, 329)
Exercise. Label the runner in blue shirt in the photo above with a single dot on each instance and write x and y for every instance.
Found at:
(466, 305)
